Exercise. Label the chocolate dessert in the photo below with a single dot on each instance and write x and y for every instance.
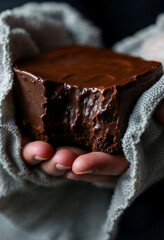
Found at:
(80, 95)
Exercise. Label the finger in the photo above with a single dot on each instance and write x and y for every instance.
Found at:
(87, 177)
(60, 163)
(100, 164)
(36, 152)
(76, 150)
(159, 113)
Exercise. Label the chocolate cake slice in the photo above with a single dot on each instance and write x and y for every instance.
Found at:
(80, 95)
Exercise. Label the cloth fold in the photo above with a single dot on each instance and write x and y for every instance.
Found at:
(55, 208)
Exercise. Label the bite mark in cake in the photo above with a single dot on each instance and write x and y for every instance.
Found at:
(80, 95)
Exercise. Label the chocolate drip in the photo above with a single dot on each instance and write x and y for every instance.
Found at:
(80, 95)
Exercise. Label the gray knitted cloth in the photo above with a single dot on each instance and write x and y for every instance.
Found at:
(54, 208)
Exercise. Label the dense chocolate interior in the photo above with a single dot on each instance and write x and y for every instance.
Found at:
(80, 95)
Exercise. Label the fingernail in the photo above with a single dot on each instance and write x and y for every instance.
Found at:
(40, 158)
(85, 172)
(71, 178)
(61, 167)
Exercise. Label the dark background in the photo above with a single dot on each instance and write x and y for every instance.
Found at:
(117, 19)
(144, 220)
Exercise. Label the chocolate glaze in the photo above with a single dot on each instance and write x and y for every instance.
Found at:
(80, 95)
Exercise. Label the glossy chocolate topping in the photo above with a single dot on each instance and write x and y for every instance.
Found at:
(87, 67)
(80, 95)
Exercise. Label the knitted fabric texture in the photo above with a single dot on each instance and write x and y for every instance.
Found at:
(54, 208)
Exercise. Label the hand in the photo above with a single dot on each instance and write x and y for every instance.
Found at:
(74, 163)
